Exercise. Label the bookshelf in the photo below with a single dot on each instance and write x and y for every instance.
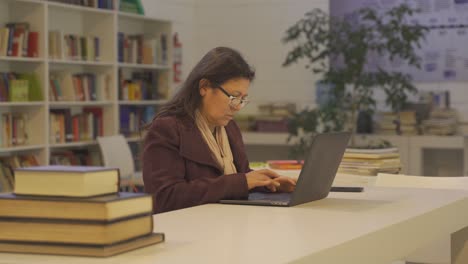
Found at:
(98, 68)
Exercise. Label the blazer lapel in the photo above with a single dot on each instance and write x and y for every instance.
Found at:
(236, 146)
(193, 146)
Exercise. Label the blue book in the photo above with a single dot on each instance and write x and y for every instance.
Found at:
(120, 46)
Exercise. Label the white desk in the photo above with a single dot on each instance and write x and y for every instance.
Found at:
(376, 226)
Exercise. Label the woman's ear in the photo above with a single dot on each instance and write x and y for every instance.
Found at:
(203, 86)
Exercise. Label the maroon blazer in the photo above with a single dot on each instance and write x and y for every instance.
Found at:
(179, 170)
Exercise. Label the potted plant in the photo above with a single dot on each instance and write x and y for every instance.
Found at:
(340, 51)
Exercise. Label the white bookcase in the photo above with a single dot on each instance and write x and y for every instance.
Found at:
(45, 16)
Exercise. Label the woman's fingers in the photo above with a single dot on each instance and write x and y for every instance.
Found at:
(269, 173)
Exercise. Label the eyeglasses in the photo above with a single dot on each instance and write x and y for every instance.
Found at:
(234, 101)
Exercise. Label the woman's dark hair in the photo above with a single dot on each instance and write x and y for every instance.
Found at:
(217, 66)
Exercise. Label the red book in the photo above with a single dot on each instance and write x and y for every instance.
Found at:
(33, 44)
(76, 127)
(285, 164)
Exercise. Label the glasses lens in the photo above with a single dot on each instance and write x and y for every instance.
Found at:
(235, 102)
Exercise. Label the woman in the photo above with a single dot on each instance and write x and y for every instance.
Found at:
(193, 151)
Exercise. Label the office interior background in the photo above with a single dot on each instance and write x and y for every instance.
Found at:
(255, 28)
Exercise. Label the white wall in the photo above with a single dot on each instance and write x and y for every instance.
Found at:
(255, 28)
(181, 13)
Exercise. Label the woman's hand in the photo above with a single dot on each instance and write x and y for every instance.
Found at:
(271, 180)
(286, 184)
(260, 178)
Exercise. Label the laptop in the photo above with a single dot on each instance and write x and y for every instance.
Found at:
(316, 177)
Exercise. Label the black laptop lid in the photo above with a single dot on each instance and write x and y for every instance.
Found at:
(320, 167)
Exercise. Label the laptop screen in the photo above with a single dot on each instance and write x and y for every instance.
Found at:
(320, 167)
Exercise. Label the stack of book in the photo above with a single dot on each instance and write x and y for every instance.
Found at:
(370, 162)
(74, 210)
(391, 123)
(273, 117)
(441, 122)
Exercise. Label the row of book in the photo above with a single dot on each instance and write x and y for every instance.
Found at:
(14, 129)
(17, 40)
(66, 126)
(16, 87)
(103, 4)
(73, 46)
(133, 118)
(76, 157)
(67, 86)
(142, 49)
(82, 206)
(8, 164)
(146, 85)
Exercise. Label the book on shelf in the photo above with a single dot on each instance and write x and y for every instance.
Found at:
(16, 87)
(75, 231)
(103, 208)
(67, 86)
(34, 85)
(131, 6)
(14, 129)
(142, 49)
(132, 118)
(76, 157)
(19, 91)
(67, 127)
(70, 181)
(73, 46)
(7, 181)
(82, 250)
(17, 40)
(8, 164)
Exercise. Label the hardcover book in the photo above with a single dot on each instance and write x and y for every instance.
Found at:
(105, 208)
(77, 232)
(71, 181)
(82, 250)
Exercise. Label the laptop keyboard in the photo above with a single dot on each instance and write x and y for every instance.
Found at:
(282, 197)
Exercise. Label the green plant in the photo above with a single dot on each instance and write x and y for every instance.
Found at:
(322, 41)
